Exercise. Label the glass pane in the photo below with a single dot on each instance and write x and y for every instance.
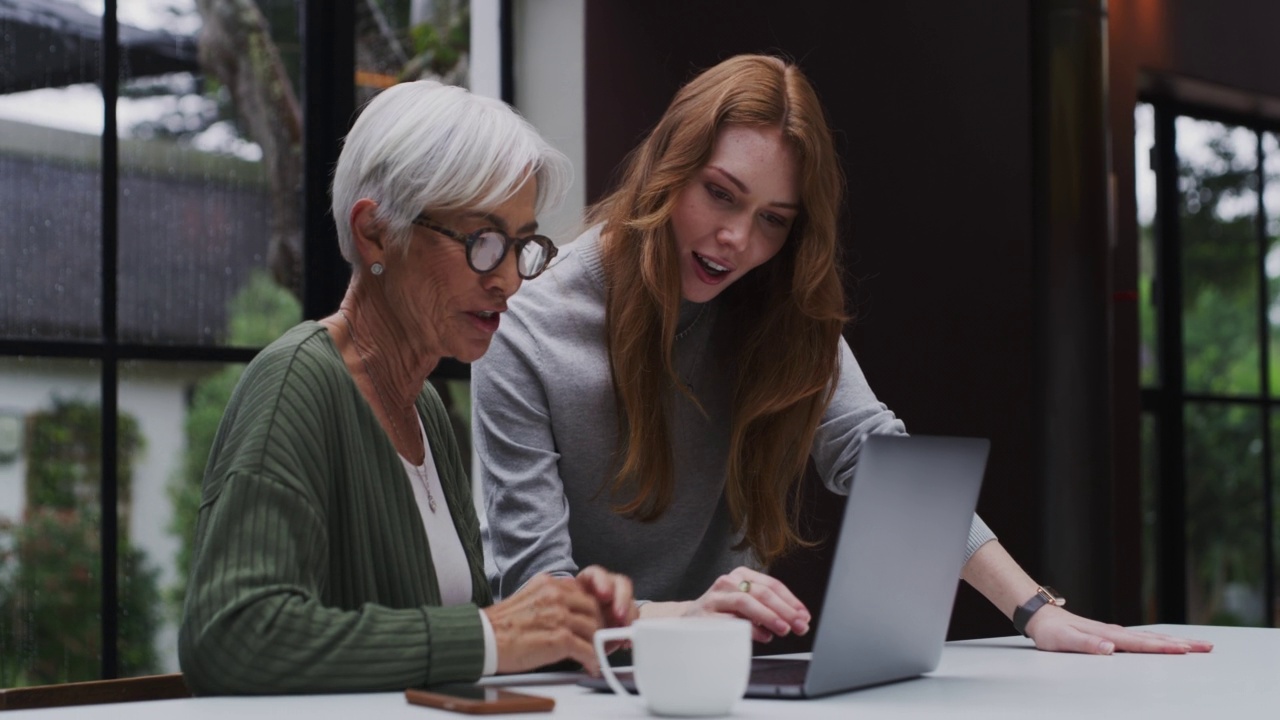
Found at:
(1224, 515)
(1218, 187)
(50, 187)
(1144, 141)
(1275, 506)
(1150, 514)
(1271, 207)
(169, 413)
(402, 40)
(50, 567)
(202, 219)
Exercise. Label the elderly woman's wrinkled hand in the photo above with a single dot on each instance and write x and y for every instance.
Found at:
(613, 593)
(547, 620)
(1057, 630)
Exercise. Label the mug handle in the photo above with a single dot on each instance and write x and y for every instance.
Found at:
(607, 635)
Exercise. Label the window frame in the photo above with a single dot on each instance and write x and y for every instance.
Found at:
(1167, 402)
(328, 106)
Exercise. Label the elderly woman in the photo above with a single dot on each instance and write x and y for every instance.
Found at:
(337, 547)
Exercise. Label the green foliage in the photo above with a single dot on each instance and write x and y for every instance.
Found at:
(437, 49)
(261, 312)
(1224, 507)
(51, 561)
(52, 605)
(65, 445)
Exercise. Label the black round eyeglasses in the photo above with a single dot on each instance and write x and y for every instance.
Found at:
(487, 247)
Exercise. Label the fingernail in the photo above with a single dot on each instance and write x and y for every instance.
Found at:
(1107, 648)
(781, 628)
(802, 627)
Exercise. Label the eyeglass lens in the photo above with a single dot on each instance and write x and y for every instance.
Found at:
(533, 258)
(489, 248)
(487, 251)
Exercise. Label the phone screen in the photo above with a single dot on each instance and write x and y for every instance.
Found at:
(477, 699)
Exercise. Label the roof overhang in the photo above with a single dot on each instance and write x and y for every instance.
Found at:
(51, 43)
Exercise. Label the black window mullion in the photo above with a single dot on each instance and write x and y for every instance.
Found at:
(1171, 575)
(108, 493)
(507, 51)
(327, 32)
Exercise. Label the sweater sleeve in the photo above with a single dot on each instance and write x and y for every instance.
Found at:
(526, 512)
(255, 623)
(854, 413)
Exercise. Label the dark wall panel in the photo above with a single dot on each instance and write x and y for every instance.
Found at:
(1232, 42)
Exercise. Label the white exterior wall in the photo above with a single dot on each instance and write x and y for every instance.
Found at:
(486, 49)
(550, 78)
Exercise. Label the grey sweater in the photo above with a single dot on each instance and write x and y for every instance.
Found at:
(545, 430)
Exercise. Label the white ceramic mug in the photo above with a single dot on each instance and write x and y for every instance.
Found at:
(684, 666)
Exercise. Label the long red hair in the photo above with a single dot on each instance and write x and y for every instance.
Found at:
(781, 322)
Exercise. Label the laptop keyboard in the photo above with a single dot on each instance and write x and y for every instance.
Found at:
(778, 672)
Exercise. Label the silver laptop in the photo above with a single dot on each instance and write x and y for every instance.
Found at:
(895, 571)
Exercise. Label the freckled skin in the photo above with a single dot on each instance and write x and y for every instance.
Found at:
(737, 210)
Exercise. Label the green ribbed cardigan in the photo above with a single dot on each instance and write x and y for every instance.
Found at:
(311, 571)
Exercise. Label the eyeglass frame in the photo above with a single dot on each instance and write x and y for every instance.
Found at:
(469, 241)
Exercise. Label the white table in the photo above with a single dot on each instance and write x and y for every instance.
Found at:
(979, 679)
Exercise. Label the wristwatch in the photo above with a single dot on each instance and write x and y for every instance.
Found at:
(1045, 595)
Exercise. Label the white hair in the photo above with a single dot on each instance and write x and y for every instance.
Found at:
(426, 146)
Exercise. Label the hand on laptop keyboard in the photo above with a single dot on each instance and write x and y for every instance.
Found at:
(772, 608)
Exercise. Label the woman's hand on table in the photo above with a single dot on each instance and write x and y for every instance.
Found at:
(749, 594)
(1057, 630)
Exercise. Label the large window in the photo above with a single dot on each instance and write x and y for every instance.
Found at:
(163, 217)
(1209, 209)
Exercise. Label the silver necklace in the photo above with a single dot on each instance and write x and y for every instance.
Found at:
(693, 367)
(696, 318)
(382, 403)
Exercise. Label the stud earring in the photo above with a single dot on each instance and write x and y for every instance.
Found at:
(376, 268)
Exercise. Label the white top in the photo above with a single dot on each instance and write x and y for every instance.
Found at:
(453, 574)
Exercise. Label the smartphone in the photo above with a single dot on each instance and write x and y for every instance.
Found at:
(478, 699)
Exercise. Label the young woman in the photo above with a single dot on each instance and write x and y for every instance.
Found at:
(653, 402)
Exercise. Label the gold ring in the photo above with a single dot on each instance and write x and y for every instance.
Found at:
(745, 586)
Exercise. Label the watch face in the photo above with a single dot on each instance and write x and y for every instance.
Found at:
(1053, 596)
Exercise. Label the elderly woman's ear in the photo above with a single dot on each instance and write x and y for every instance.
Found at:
(366, 230)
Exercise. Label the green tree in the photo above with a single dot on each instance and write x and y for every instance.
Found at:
(51, 564)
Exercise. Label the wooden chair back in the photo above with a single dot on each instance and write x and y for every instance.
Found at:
(150, 687)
